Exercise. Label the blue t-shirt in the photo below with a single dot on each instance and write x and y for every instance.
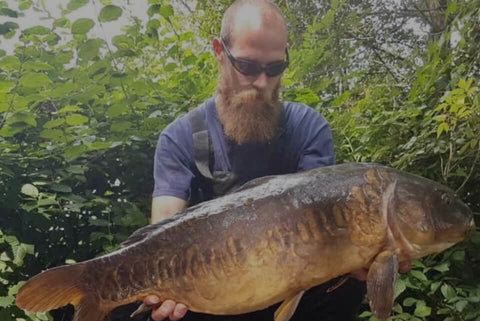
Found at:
(305, 142)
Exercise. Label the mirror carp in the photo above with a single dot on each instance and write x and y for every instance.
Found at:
(268, 242)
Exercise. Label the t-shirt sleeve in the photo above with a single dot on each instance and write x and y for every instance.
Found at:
(173, 161)
(317, 142)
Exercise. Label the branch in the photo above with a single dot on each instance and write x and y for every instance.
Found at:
(385, 65)
(368, 43)
(471, 169)
(187, 6)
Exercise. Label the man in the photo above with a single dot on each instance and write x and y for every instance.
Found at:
(244, 133)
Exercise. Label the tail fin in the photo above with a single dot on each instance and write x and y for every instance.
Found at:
(56, 288)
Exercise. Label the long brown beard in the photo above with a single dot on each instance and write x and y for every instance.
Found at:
(248, 115)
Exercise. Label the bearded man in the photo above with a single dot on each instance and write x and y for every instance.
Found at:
(242, 133)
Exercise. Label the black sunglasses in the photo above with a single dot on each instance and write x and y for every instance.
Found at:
(253, 68)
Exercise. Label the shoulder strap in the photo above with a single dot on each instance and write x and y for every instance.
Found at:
(201, 142)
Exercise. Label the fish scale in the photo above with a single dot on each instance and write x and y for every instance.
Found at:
(284, 234)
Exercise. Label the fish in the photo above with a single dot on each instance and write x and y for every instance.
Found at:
(268, 242)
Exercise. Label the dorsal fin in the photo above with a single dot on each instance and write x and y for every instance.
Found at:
(254, 182)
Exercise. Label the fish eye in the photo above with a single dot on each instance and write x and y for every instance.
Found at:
(446, 199)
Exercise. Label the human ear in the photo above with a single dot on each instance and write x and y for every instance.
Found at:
(218, 49)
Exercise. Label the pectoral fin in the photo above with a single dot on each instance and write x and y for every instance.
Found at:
(287, 308)
(381, 283)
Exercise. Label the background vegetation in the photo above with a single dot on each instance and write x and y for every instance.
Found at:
(80, 114)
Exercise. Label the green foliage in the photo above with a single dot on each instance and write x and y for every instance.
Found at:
(80, 116)
(109, 13)
(78, 126)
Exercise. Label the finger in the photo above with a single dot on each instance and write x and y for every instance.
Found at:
(164, 310)
(151, 300)
(179, 312)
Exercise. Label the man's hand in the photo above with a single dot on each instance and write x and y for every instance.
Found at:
(403, 267)
(167, 309)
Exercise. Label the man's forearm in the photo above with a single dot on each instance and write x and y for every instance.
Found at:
(166, 206)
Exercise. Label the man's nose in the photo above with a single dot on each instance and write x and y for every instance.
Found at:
(261, 81)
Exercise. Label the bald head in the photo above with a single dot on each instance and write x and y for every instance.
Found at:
(251, 15)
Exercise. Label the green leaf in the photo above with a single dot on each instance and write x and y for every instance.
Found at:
(448, 292)
(408, 302)
(153, 9)
(434, 286)
(76, 119)
(444, 267)
(8, 29)
(459, 255)
(90, 49)
(8, 131)
(418, 275)
(6, 86)
(20, 251)
(75, 4)
(119, 127)
(34, 80)
(117, 110)
(8, 12)
(47, 201)
(23, 117)
(75, 151)
(123, 42)
(190, 60)
(400, 286)
(365, 314)
(443, 127)
(61, 23)
(109, 13)
(82, 26)
(6, 301)
(24, 5)
(29, 190)
(106, 2)
(62, 90)
(10, 63)
(451, 8)
(61, 188)
(465, 84)
(460, 305)
(99, 146)
(187, 36)
(166, 11)
(37, 66)
(53, 134)
(422, 310)
(37, 30)
(54, 123)
(68, 109)
(13, 290)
